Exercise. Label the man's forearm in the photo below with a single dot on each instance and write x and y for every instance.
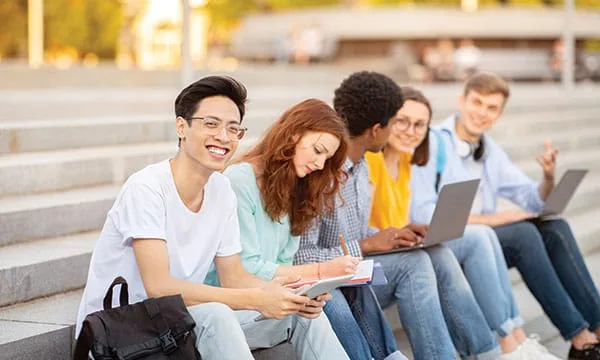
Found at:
(546, 188)
(484, 219)
(194, 293)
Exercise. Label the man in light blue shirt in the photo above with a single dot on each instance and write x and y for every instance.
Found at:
(545, 252)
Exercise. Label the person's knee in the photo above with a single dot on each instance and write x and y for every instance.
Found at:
(561, 226)
(445, 264)
(213, 315)
(478, 240)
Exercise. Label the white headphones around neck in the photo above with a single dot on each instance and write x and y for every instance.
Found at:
(466, 149)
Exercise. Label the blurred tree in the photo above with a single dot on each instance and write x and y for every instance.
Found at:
(13, 28)
(90, 26)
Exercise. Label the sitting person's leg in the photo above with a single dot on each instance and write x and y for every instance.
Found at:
(572, 270)
(524, 248)
(312, 339)
(466, 322)
(412, 286)
(219, 334)
(370, 318)
(488, 278)
(346, 328)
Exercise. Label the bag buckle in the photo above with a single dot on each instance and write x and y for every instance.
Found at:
(168, 342)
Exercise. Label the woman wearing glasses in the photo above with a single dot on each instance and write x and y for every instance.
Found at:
(478, 251)
(283, 184)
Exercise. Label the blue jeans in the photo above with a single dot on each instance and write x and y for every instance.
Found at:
(548, 258)
(480, 256)
(226, 334)
(359, 323)
(435, 316)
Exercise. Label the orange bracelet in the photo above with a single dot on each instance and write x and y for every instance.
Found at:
(319, 271)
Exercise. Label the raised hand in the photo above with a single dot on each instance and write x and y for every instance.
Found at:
(547, 160)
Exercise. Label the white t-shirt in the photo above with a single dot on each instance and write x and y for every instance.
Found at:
(149, 206)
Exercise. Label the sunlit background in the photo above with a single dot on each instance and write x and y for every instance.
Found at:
(422, 40)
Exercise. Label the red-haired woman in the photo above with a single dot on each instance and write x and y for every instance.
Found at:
(283, 184)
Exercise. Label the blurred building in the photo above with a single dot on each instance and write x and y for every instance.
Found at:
(514, 41)
(157, 34)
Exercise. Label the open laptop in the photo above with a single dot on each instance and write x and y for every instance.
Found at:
(449, 217)
(562, 193)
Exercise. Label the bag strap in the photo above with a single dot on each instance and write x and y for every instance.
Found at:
(123, 295)
(166, 337)
(84, 343)
(441, 159)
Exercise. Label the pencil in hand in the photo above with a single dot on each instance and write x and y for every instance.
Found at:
(344, 247)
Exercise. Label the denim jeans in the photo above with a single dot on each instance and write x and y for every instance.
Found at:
(480, 256)
(548, 258)
(226, 334)
(436, 305)
(359, 323)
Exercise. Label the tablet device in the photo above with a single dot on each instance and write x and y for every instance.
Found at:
(323, 286)
(320, 287)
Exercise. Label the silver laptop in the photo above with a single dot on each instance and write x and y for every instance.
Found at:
(449, 217)
(562, 193)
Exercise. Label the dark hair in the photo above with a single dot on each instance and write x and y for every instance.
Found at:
(365, 99)
(282, 191)
(421, 155)
(188, 99)
(487, 83)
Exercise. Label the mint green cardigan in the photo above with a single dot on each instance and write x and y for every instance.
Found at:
(266, 244)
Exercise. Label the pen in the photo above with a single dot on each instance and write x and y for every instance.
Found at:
(344, 247)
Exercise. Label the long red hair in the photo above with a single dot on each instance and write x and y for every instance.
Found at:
(282, 191)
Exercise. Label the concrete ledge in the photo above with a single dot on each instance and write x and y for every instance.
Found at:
(41, 268)
(35, 341)
(33, 217)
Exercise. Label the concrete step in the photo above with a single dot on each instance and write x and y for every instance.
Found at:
(44, 267)
(584, 158)
(547, 121)
(24, 218)
(85, 131)
(41, 329)
(76, 168)
(571, 139)
(82, 132)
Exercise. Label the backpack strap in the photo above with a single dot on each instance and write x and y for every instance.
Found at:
(84, 343)
(441, 159)
(123, 294)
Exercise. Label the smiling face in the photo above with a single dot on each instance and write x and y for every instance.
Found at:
(312, 150)
(411, 127)
(210, 151)
(479, 112)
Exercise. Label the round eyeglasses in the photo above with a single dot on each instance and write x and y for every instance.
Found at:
(213, 126)
(403, 124)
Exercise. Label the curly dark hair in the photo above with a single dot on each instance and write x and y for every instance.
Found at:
(365, 99)
(282, 191)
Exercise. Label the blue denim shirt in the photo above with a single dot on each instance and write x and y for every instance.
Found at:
(500, 177)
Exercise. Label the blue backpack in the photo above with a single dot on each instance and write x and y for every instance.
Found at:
(441, 159)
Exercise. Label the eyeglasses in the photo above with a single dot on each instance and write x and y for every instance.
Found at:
(213, 126)
(403, 124)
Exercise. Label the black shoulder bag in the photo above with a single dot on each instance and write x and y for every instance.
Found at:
(153, 329)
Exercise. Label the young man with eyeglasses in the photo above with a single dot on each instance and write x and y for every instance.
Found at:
(545, 252)
(175, 218)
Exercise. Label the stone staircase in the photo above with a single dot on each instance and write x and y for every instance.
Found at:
(60, 173)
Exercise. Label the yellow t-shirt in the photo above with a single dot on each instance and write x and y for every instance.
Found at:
(391, 197)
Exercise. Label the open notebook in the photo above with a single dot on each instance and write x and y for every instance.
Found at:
(367, 272)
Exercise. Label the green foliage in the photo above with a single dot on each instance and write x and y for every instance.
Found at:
(91, 26)
(13, 28)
